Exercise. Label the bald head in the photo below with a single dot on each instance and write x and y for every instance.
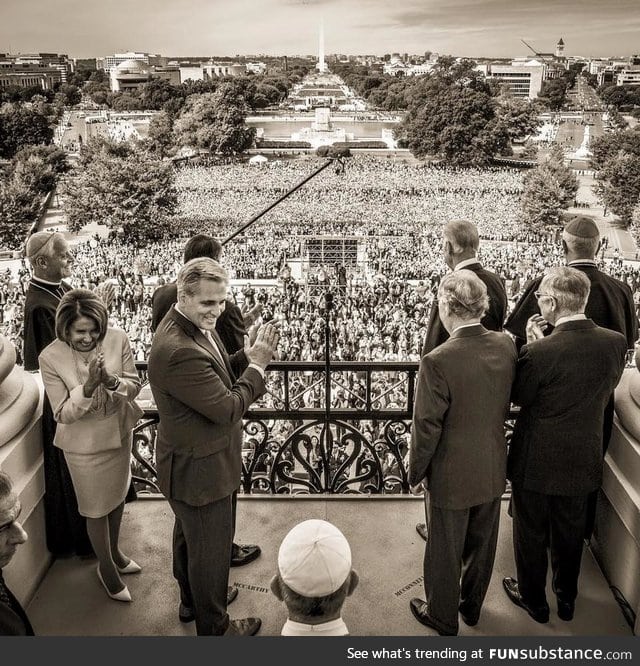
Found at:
(49, 256)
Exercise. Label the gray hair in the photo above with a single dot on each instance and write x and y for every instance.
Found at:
(585, 248)
(462, 235)
(6, 486)
(201, 268)
(464, 295)
(569, 286)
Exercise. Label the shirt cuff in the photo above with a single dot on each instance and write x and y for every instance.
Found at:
(258, 368)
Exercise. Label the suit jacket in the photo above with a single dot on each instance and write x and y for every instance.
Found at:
(563, 383)
(81, 429)
(13, 619)
(493, 319)
(610, 305)
(462, 400)
(39, 322)
(201, 403)
(230, 325)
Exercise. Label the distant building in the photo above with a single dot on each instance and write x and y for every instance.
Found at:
(256, 67)
(109, 62)
(560, 49)
(524, 79)
(129, 75)
(629, 77)
(206, 71)
(25, 70)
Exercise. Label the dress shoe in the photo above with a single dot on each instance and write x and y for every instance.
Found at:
(539, 614)
(123, 595)
(469, 620)
(244, 554)
(421, 529)
(131, 568)
(185, 613)
(566, 610)
(419, 610)
(248, 626)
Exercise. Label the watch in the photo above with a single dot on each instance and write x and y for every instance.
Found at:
(114, 385)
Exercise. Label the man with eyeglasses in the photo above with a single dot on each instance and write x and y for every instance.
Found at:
(610, 305)
(13, 619)
(563, 382)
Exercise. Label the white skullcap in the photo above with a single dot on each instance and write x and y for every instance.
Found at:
(314, 558)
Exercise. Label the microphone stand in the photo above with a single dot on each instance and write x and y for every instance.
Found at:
(328, 436)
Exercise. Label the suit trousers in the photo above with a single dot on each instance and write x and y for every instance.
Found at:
(202, 538)
(458, 560)
(543, 521)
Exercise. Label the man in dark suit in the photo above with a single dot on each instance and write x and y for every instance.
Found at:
(13, 619)
(231, 326)
(610, 305)
(563, 383)
(202, 395)
(460, 249)
(459, 453)
(51, 262)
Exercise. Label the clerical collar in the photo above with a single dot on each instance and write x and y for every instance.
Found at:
(575, 317)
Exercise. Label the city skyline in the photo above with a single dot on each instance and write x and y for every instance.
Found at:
(480, 28)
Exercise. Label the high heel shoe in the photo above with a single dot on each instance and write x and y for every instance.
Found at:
(131, 568)
(123, 595)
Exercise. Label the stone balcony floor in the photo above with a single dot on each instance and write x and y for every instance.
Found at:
(387, 553)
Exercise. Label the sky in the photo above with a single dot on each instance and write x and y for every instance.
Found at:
(483, 28)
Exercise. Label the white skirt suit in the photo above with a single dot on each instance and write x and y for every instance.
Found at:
(94, 433)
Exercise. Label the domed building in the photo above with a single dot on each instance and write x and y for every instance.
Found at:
(129, 75)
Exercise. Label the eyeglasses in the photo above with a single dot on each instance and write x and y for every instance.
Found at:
(539, 295)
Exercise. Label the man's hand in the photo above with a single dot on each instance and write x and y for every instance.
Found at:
(262, 350)
(535, 327)
(418, 489)
(106, 292)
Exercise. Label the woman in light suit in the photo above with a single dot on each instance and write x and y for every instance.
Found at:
(91, 381)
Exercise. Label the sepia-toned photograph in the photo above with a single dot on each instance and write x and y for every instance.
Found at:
(320, 318)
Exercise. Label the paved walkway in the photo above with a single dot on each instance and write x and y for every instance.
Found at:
(387, 553)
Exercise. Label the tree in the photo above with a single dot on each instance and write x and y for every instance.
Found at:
(123, 187)
(21, 126)
(519, 117)
(160, 136)
(616, 156)
(215, 121)
(549, 189)
(157, 93)
(456, 123)
(554, 92)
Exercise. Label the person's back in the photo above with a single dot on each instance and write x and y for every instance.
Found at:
(557, 441)
(478, 367)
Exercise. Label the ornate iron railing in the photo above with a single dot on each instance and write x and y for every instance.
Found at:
(345, 431)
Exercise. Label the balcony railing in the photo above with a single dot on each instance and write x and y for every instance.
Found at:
(338, 430)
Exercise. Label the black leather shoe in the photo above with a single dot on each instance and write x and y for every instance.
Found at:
(421, 529)
(540, 614)
(244, 554)
(248, 626)
(566, 610)
(467, 619)
(419, 610)
(185, 613)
